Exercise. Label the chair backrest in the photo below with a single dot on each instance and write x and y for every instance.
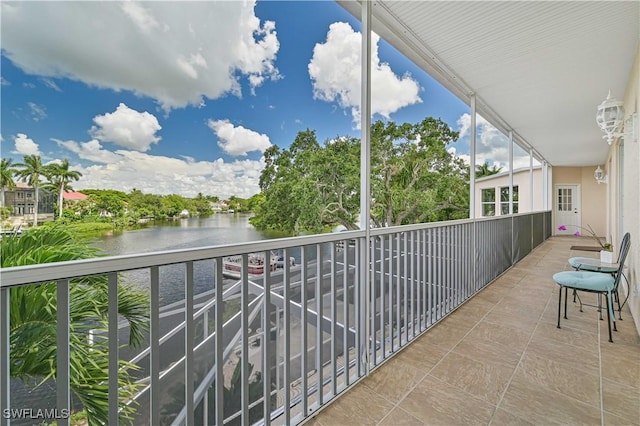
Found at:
(625, 243)
(624, 250)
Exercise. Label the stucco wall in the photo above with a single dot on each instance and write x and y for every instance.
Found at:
(593, 196)
(522, 181)
(630, 190)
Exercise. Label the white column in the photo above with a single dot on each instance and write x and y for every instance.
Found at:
(545, 186)
(472, 159)
(510, 172)
(365, 170)
(531, 178)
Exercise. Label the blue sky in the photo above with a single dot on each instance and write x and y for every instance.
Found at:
(177, 97)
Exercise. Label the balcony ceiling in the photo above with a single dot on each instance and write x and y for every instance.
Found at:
(539, 68)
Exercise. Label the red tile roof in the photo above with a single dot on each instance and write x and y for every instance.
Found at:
(75, 196)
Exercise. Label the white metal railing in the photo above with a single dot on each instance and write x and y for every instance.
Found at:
(303, 327)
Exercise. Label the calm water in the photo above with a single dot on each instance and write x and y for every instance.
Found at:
(183, 233)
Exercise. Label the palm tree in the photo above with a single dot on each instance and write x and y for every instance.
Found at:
(30, 172)
(486, 170)
(33, 330)
(6, 177)
(61, 177)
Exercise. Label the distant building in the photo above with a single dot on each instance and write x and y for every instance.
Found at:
(492, 193)
(74, 196)
(22, 202)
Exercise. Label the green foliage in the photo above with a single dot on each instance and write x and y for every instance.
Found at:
(414, 178)
(486, 170)
(5, 212)
(239, 205)
(7, 171)
(107, 200)
(33, 322)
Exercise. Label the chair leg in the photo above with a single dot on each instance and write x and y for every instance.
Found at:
(559, 304)
(579, 300)
(617, 295)
(609, 322)
(600, 305)
(566, 290)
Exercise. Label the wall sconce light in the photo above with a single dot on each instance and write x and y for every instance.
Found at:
(610, 118)
(600, 176)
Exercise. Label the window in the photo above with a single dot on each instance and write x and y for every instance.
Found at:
(489, 202)
(504, 200)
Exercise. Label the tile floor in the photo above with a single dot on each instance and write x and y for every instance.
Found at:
(500, 360)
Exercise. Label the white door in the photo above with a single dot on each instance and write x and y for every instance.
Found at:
(567, 209)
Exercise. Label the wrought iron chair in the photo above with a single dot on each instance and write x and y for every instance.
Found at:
(591, 264)
(593, 282)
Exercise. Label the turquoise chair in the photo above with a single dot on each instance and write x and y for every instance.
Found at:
(593, 282)
(586, 264)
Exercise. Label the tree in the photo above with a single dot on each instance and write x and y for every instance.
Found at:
(61, 177)
(414, 178)
(107, 200)
(7, 171)
(31, 171)
(486, 170)
(172, 205)
(33, 323)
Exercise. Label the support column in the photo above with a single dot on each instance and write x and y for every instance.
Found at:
(545, 186)
(510, 172)
(365, 174)
(472, 159)
(531, 178)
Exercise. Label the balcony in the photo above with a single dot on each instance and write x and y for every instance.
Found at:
(421, 329)
(499, 359)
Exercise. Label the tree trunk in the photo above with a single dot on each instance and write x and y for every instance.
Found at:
(35, 208)
(60, 201)
(2, 189)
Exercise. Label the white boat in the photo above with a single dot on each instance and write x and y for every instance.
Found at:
(232, 265)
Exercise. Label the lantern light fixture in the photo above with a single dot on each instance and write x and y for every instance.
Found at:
(600, 176)
(610, 118)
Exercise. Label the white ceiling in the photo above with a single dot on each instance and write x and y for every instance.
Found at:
(539, 68)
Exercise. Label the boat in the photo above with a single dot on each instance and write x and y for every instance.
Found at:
(232, 265)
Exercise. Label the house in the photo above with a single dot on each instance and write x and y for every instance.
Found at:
(22, 201)
(70, 196)
(492, 192)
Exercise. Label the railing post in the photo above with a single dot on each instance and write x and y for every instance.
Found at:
(189, 337)
(113, 347)
(63, 391)
(5, 396)
(154, 343)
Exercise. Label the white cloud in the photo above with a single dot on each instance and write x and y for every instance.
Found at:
(124, 170)
(25, 145)
(127, 127)
(238, 140)
(51, 84)
(492, 145)
(4, 82)
(335, 73)
(37, 112)
(92, 151)
(175, 52)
